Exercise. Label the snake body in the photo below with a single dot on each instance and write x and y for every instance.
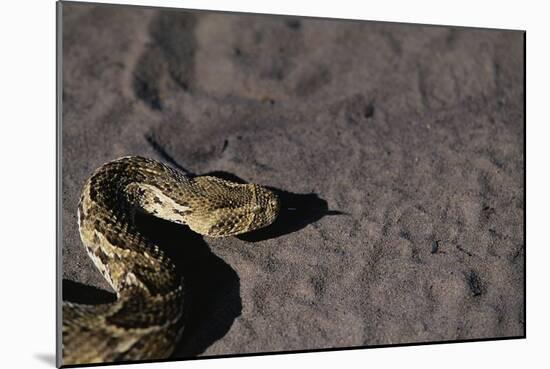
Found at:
(146, 320)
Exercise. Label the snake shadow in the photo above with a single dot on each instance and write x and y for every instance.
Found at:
(212, 286)
(84, 294)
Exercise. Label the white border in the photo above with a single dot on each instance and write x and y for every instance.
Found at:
(27, 182)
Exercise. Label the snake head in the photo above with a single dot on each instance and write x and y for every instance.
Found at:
(260, 210)
(224, 208)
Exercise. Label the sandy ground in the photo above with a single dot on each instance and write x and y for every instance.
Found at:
(401, 147)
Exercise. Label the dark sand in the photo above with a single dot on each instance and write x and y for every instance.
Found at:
(414, 132)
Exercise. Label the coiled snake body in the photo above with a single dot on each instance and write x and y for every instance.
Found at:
(145, 321)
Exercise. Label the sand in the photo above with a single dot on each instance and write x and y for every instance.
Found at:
(400, 146)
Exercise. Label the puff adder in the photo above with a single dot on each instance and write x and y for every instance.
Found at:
(145, 321)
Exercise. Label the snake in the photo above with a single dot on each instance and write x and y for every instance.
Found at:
(146, 320)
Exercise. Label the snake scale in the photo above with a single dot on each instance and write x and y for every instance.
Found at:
(146, 320)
